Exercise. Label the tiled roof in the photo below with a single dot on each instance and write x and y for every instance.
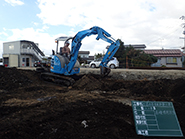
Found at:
(165, 52)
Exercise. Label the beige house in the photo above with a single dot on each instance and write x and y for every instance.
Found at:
(166, 57)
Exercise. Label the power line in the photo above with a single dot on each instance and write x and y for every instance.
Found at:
(164, 36)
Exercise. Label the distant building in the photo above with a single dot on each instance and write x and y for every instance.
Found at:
(86, 58)
(137, 46)
(167, 57)
(21, 53)
(183, 49)
(84, 55)
(24, 53)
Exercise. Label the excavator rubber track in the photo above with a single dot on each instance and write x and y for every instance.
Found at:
(57, 79)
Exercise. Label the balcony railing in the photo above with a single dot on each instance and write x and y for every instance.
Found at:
(31, 52)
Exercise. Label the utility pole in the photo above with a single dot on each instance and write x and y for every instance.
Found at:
(127, 67)
(183, 26)
(161, 39)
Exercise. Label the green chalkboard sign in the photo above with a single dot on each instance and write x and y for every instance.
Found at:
(155, 118)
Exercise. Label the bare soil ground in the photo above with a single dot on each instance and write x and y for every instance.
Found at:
(94, 107)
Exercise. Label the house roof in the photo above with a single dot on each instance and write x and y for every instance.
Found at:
(83, 52)
(90, 58)
(165, 52)
(136, 45)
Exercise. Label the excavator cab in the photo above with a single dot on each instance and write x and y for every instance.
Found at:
(61, 39)
(59, 60)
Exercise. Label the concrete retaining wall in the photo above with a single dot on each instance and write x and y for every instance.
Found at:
(133, 74)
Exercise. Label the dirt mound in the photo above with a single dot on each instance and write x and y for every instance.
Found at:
(89, 82)
(12, 78)
(94, 107)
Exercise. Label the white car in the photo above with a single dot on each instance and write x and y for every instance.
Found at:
(84, 65)
(113, 63)
(1, 64)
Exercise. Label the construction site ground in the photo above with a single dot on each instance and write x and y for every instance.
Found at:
(94, 107)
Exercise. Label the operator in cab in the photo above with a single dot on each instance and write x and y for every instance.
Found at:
(66, 50)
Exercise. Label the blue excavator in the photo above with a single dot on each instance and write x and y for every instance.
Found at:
(63, 68)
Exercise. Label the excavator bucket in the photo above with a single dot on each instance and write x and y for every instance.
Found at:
(104, 71)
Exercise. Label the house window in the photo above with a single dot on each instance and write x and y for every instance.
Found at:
(171, 60)
(11, 47)
(23, 59)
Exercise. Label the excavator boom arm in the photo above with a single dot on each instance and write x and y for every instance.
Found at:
(102, 34)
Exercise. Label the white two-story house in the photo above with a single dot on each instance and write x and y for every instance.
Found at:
(21, 53)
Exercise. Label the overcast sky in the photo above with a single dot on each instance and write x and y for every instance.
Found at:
(154, 23)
